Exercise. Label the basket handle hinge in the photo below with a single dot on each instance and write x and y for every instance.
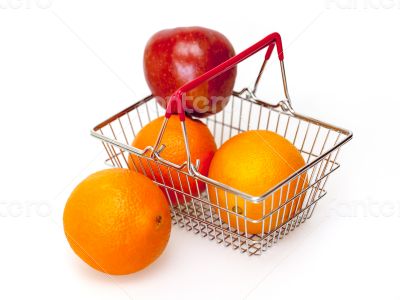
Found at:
(286, 105)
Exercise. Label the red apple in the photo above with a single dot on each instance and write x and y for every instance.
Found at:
(176, 56)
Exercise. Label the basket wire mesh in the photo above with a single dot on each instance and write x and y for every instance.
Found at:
(318, 143)
(282, 212)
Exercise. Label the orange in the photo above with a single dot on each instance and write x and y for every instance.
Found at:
(254, 162)
(117, 221)
(202, 147)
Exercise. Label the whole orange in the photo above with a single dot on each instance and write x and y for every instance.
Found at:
(254, 162)
(202, 147)
(117, 221)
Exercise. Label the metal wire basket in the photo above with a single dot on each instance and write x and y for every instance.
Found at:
(318, 142)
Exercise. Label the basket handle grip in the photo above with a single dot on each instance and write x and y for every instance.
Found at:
(175, 103)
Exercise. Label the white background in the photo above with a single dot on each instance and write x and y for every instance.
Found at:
(66, 65)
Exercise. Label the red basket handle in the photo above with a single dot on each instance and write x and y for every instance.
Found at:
(175, 102)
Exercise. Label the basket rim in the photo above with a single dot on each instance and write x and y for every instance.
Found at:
(252, 198)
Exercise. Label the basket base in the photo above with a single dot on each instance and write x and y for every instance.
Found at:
(200, 218)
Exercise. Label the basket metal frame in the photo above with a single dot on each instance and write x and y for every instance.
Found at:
(197, 213)
(201, 216)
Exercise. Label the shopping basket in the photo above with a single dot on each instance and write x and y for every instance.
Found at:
(318, 142)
